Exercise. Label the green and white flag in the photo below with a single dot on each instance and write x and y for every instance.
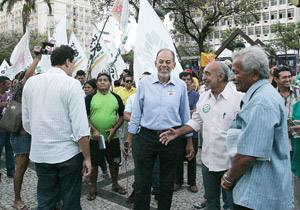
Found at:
(151, 36)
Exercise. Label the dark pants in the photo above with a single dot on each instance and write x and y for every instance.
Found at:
(237, 207)
(212, 189)
(9, 156)
(60, 181)
(191, 165)
(148, 148)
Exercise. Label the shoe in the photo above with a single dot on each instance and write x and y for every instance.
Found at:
(177, 187)
(200, 205)
(193, 188)
(130, 199)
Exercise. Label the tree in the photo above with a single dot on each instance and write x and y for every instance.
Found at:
(197, 18)
(28, 7)
(287, 38)
(226, 34)
(9, 40)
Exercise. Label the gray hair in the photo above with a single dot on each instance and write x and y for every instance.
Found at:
(166, 49)
(223, 69)
(253, 58)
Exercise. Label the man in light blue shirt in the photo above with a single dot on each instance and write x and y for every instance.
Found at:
(260, 172)
(161, 102)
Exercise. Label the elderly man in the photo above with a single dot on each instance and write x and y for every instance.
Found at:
(214, 113)
(260, 171)
(161, 102)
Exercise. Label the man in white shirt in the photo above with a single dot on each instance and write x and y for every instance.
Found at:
(53, 112)
(215, 111)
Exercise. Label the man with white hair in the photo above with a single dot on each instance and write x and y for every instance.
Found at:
(260, 171)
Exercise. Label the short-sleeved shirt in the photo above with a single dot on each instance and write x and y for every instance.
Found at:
(104, 110)
(263, 123)
(124, 93)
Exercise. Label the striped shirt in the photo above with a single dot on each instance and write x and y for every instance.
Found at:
(53, 112)
(263, 124)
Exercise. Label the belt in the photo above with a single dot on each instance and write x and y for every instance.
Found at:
(155, 132)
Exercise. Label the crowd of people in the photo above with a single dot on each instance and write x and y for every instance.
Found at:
(244, 112)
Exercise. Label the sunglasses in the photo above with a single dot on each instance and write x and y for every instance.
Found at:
(128, 81)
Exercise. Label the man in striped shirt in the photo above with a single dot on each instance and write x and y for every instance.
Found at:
(260, 173)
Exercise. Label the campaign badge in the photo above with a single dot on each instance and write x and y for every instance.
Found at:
(206, 108)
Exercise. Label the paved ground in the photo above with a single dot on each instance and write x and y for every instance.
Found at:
(106, 199)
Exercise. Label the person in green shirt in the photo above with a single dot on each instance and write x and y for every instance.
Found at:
(105, 111)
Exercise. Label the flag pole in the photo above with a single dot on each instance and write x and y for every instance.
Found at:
(92, 59)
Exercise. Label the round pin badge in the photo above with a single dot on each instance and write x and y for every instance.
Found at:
(206, 108)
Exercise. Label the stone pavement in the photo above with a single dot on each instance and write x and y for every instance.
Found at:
(106, 199)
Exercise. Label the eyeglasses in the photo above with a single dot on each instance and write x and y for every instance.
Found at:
(128, 81)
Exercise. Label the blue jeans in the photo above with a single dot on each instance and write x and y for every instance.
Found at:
(147, 149)
(212, 189)
(9, 155)
(60, 181)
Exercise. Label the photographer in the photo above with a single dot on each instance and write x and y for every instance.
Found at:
(21, 140)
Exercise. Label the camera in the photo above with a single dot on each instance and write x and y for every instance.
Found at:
(46, 48)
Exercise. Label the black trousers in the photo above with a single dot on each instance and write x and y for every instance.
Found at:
(147, 149)
(191, 166)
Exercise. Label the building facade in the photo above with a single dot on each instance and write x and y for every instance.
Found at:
(271, 13)
(79, 19)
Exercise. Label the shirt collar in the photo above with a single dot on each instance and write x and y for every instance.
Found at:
(253, 88)
(56, 70)
(225, 93)
(156, 80)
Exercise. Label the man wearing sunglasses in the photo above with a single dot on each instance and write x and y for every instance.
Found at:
(128, 89)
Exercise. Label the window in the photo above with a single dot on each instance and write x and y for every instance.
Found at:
(273, 15)
(290, 13)
(217, 34)
(281, 2)
(229, 22)
(282, 14)
(265, 16)
(273, 2)
(273, 28)
(266, 30)
(265, 3)
(257, 30)
(250, 31)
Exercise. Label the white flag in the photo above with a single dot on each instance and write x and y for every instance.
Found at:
(80, 59)
(59, 36)
(105, 59)
(151, 36)
(4, 68)
(21, 57)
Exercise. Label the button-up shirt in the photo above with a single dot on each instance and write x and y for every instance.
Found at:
(53, 112)
(263, 124)
(214, 116)
(159, 106)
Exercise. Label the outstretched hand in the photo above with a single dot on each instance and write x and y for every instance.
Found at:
(168, 136)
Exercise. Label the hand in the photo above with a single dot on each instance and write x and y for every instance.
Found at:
(295, 128)
(168, 136)
(86, 167)
(189, 150)
(225, 185)
(37, 52)
(112, 132)
(127, 146)
(95, 135)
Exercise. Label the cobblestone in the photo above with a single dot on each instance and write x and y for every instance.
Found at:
(106, 199)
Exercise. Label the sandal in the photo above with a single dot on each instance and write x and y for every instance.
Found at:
(119, 189)
(92, 196)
